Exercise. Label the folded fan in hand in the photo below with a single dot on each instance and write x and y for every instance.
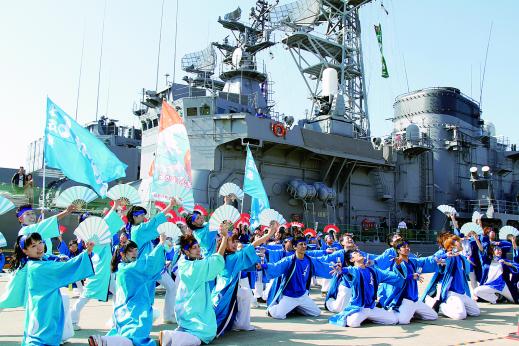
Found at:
(223, 213)
(447, 209)
(231, 189)
(76, 195)
(94, 229)
(170, 230)
(269, 215)
(471, 226)
(127, 194)
(5, 205)
(506, 230)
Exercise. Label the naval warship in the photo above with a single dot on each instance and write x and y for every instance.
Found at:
(327, 168)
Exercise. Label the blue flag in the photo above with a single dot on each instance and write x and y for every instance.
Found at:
(253, 186)
(77, 153)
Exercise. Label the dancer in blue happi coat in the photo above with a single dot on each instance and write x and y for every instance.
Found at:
(232, 303)
(133, 311)
(45, 314)
(296, 271)
(339, 292)
(364, 283)
(454, 298)
(497, 272)
(404, 300)
(194, 310)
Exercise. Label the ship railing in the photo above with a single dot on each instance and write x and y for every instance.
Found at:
(380, 234)
(481, 205)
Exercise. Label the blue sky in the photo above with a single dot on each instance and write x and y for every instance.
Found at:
(442, 42)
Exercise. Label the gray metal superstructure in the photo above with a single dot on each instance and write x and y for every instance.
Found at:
(327, 168)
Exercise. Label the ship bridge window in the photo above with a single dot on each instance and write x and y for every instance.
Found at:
(149, 123)
(192, 111)
(155, 122)
(205, 110)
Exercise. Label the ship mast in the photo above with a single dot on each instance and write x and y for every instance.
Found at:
(325, 34)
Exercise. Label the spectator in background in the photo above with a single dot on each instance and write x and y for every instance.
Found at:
(18, 179)
(402, 224)
(28, 188)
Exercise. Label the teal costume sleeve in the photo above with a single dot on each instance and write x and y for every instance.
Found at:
(114, 222)
(207, 239)
(144, 233)
(15, 292)
(44, 316)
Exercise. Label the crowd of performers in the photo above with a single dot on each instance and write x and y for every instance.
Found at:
(213, 278)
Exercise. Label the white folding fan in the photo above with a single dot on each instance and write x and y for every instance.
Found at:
(185, 196)
(476, 215)
(171, 230)
(77, 195)
(3, 242)
(124, 192)
(5, 205)
(471, 226)
(94, 229)
(506, 230)
(269, 215)
(231, 189)
(447, 209)
(224, 213)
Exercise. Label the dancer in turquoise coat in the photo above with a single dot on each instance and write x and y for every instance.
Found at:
(45, 315)
(96, 286)
(133, 312)
(194, 309)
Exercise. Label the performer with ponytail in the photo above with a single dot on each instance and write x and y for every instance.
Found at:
(143, 233)
(45, 314)
(133, 311)
(194, 310)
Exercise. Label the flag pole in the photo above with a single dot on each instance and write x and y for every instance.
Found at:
(43, 187)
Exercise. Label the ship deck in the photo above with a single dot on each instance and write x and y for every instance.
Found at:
(491, 328)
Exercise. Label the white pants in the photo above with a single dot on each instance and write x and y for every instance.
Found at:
(68, 328)
(458, 306)
(490, 294)
(242, 320)
(408, 309)
(258, 286)
(325, 285)
(79, 288)
(178, 338)
(169, 299)
(473, 282)
(76, 310)
(376, 315)
(303, 304)
(343, 298)
(116, 340)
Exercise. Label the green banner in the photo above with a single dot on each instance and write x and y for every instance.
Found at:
(378, 32)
